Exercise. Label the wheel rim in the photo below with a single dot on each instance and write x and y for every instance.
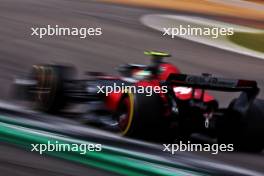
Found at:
(45, 84)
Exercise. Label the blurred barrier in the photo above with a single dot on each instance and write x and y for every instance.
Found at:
(197, 6)
(124, 156)
(111, 159)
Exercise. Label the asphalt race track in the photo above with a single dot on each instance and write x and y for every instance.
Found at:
(31, 164)
(139, 152)
(124, 39)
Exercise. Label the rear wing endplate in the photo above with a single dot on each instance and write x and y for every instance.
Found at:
(212, 83)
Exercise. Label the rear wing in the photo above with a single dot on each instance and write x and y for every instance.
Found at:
(209, 82)
(248, 88)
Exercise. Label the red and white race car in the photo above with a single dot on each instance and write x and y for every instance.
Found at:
(153, 101)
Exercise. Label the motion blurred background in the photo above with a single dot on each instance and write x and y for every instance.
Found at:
(124, 39)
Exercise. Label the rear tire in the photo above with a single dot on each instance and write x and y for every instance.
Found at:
(245, 132)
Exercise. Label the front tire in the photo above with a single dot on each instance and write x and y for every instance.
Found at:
(245, 132)
(48, 95)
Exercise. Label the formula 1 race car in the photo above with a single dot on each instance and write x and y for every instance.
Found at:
(153, 101)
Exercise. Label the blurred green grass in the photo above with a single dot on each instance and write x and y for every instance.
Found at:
(249, 40)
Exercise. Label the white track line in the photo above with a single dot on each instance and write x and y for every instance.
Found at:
(158, 22)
